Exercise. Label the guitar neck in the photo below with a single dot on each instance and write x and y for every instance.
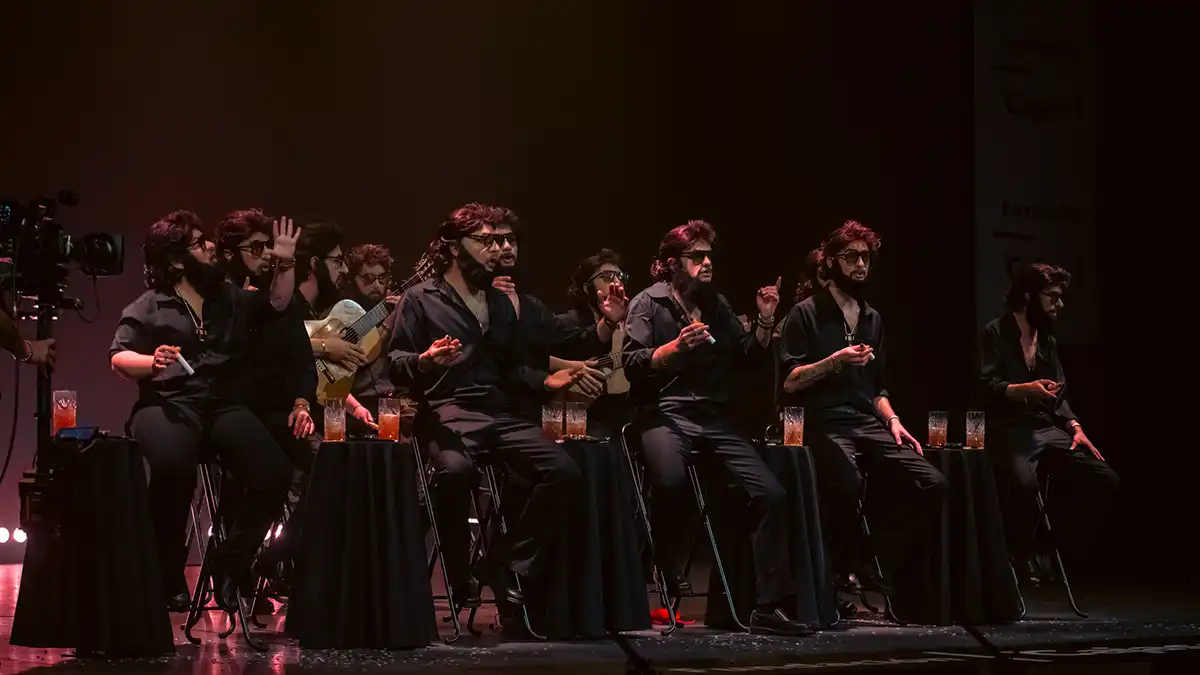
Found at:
(379, 312)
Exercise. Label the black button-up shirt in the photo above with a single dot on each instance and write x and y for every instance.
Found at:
(158, 318)
(491, 370)
(697, 381)
(282, 368)
(1001, 363)
(545, 334)
(816, 328)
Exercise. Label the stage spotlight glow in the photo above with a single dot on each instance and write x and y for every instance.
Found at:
(18, 536)
(278, 531)
(3, 535)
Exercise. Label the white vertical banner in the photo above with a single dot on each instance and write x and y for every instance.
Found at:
(1035, 151)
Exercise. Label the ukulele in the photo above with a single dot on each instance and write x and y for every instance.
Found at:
(350, 322)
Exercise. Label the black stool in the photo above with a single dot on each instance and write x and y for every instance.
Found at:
(436, 557)
(204, 587)
(1043, 494)
(480, 539)
(866, 533)
(637, 470)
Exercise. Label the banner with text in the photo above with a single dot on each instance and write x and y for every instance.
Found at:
(1035, 151)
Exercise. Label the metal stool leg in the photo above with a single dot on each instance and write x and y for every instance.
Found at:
(888, 611)
(205, 581)
(698, 489)
(660, 578)
(1062, 571)
(489, 475)
(437, 544)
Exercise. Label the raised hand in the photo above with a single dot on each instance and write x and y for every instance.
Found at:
(284, 233)
(768, 299)
(613, 302)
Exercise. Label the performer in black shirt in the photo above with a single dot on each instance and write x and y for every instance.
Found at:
(682, 343)
(1032, 433)
(369, 269)
(831, 361)
(547, 337)
(191, 314)
(456, 344)
(597, 293)
(281, 380)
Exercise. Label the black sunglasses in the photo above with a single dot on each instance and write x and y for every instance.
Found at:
(369, 279)
(610, 276)
(497, 240)
(699, 256)
(852, 257)
(255, 248)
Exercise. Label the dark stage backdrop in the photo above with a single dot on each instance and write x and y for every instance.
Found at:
(600, 123)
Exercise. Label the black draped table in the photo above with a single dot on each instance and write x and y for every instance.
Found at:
(91, 577)
(960, 573)
(816, 599)
(361, 575)
(593, 583)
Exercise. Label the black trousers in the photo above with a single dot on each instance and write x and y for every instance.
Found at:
(1081, 493)
(534, 522)
(667, 443)
(300, 452)
(171, 435)
(903, 494)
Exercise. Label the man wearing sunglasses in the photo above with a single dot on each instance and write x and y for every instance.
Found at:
(547, 337)
(368, 275)
(830, 360)
(683, 342)
(597, 294)
(456, 344)
(1032, 432)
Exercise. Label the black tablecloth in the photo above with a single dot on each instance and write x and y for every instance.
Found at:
(961, 572)
(593, 582)
(361, 575)
(91, 577)
(816, 600)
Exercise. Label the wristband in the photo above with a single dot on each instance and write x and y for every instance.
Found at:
(28, 352)
(888, 421)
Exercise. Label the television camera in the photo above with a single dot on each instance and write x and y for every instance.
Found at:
(36, 256)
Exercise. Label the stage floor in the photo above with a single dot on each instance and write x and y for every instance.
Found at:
(1129, 630)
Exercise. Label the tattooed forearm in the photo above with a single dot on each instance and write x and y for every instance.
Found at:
(803, 377)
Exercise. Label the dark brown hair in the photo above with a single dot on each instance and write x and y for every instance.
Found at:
(166, 243)
(675, 242)
(463, 221)
(1032, 279)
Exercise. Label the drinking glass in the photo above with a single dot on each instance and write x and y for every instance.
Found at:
(335, 420)
(793, 426)
(552, 420)
(576, 419)
(64, 409)
(975, 430)
(389, 419)
(939, 422)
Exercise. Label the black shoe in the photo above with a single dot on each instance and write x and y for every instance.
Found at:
(775, 622)
(678, 586)
(504, 589)
(467, 595)
(847, 610)
(180, 602)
